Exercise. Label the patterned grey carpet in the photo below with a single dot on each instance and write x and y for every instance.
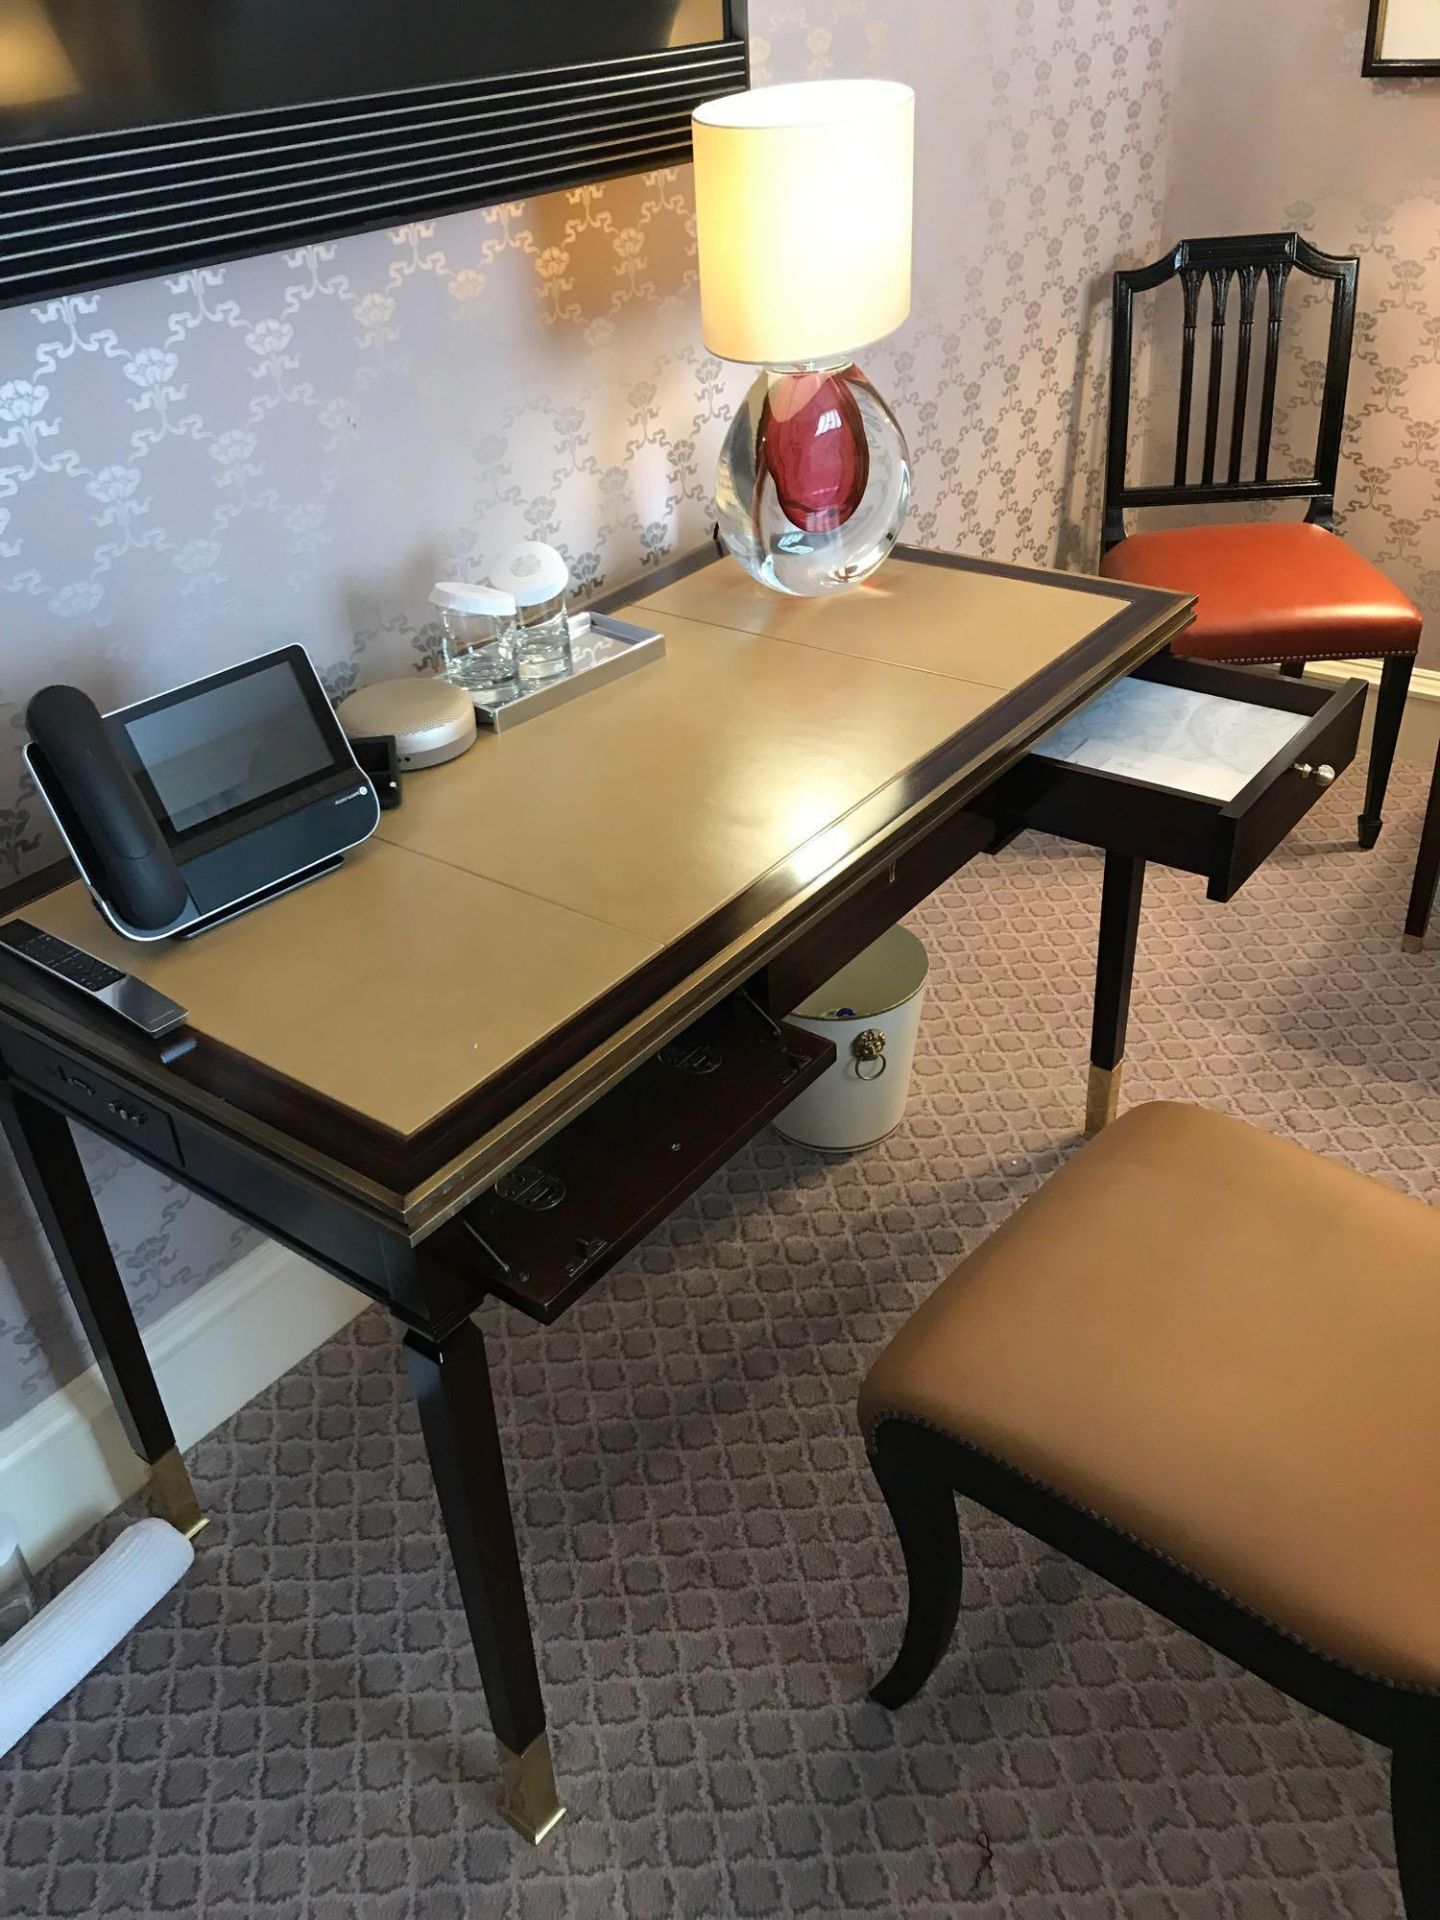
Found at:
(299, 1731)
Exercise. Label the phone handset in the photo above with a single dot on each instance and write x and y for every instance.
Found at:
(134, 869)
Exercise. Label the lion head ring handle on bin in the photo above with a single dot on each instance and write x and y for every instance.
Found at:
(869, 1049)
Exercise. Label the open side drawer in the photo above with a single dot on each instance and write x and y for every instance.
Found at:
(1157, 767)
(547, 1231)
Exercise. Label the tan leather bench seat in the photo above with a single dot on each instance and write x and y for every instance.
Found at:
(1226, 1347)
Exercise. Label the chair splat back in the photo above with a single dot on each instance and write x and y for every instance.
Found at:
(1223, 277)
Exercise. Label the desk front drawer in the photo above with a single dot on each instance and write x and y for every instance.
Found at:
(1224, 788)
(101, 1103)
(548, 1231)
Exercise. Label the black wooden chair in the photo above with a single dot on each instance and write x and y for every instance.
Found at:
(1201, 1362)
(1273, 592)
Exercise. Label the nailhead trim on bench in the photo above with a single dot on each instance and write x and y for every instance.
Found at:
(1155, 1553)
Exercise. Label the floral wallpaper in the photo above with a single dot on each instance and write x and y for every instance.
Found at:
(296, 447)
(1355, 166)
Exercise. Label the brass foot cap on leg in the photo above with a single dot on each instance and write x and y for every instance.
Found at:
(1102, 1098)
(529, 1799)
(173, 1495)
(1412, 943)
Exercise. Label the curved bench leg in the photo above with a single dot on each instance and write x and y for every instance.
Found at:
(1415, 1807)
(922, 1505)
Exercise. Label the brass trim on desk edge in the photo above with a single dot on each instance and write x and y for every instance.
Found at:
(236, 1129)
(417, 1211)
(452, 1187)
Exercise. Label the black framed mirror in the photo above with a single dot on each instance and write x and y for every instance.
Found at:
(1403, 38)
(150, 136)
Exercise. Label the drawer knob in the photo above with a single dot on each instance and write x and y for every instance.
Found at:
(1321, 775)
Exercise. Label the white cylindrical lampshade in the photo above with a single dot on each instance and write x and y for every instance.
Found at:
(803, 210)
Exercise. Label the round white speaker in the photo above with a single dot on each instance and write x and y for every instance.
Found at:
(429, 720)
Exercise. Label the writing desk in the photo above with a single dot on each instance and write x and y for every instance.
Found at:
(549, 997)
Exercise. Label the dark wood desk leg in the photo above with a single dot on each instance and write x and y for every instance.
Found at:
(50, 1166)
(1427, 870)
(451, 1382)
(1384, 737)
(1115, 969)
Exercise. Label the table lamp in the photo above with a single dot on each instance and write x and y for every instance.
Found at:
(803, 212)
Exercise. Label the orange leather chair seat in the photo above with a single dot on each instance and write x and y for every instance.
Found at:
(1226, 1347)
(1271, 591)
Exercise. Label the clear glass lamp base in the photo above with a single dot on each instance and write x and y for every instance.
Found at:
(814, 480)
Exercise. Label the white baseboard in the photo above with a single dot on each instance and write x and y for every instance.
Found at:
(66, 1463)
(1424, 681)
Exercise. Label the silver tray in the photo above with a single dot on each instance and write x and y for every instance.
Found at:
(602, 650)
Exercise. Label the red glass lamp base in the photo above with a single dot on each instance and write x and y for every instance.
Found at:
(812, 445)
(814, 479)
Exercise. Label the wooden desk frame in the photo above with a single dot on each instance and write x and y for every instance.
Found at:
(381, 1213)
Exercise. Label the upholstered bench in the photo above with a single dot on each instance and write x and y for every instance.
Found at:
(1205, 1364)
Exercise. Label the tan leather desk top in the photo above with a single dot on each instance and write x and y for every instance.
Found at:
(393, 985)
(653, 801)
(516, 887)
(984, 629)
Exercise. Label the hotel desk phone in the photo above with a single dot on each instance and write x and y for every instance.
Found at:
(186, 809)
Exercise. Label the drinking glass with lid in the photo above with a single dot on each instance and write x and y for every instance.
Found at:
(477, 635)
(537, 579)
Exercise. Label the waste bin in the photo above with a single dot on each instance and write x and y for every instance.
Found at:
(871, 1010)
